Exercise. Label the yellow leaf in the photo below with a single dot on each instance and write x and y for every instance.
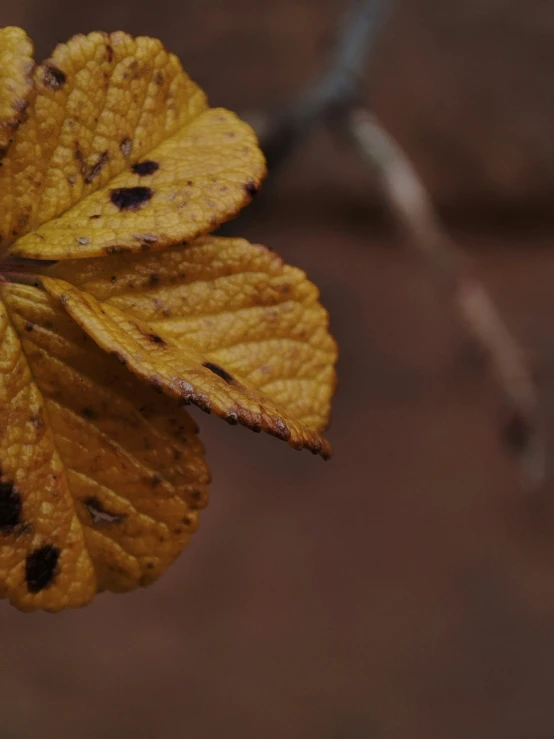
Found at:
(115, 162)
(235, 304)
(183, 372)
(119, 153)
(101, 478)
(16, 85)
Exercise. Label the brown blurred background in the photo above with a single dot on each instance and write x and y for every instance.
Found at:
(404, 590)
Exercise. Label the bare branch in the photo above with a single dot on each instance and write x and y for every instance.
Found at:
(281, 132)
(333, 100)
(413, 208)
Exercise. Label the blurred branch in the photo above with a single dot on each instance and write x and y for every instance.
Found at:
(281, 133)
(333, 99)
(413, 208)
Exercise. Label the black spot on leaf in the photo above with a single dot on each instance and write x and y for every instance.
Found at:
(145, 168)
(54, 78)
(251, 188)
(10, 506)
(130, 198)
(40, 568)
(219, 371)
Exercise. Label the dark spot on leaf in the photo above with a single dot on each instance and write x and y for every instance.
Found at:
(120, 358)
(145, 168)
(36, 420)
(154, 280)
(219, 371)
(156, 339)
(130, 198)
(40, 568)
(189, 521)
(10, 506)
(197, 499)
(29, 326)
(109, 53)
(156, 480)
(99, 515)
(251, 188)
(95, 216)
(158, 78)
(54, 78)
(88, 413)
(96, 168)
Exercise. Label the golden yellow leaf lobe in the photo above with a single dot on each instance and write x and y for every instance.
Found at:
(180, 366)
(16, 84)
(235, 304)
(101, 476)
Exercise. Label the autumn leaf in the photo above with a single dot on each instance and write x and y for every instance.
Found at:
(113, 160)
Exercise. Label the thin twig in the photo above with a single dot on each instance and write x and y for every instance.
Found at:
(333, 100)
(283, 131)
(413, 208)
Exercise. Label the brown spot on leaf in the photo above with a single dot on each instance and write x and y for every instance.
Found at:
(145, 168)
(96, 168)
(197, 498)
(219, 371)
(88, 413)
(109, 53)
(36, 420)
(40, 568)
(10, 507)
(54, 78)
(29, 326)
(130, 198)
(99, 515)
(251, 188)
(154, 280)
